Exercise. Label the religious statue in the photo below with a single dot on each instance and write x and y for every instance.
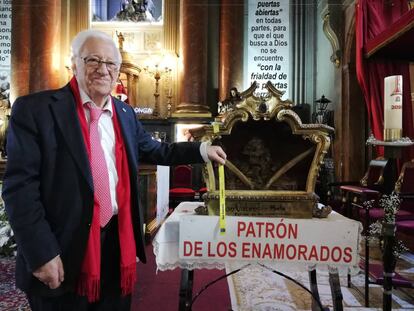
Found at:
(121, 40)
(4, 86)
(135, 11)
(255, 163)
(5, 110)
(230, 102)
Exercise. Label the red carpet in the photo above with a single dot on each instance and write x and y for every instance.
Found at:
(153, 291)
(11, 298)
(159, 291)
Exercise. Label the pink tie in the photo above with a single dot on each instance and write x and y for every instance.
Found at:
(99, 168)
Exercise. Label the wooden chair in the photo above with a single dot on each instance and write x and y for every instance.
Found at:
(371, 186)
(353, 193)
(405, 188)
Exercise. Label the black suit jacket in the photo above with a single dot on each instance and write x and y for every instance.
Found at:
(48, 189)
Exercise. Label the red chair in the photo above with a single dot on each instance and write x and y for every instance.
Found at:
(404, 223)
(181, 187)
(404, 186)
(405, 233)
(370, 187)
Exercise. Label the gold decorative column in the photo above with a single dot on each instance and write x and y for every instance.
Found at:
(231, 46)
(35, 61)
(193, 75)
(171, 23)
(78, 11)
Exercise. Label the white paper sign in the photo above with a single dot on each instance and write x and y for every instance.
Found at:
(268, 44)
(270, 239)
(5, 47)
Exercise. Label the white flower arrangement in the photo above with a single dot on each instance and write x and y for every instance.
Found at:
(390, 204)
(7, 242)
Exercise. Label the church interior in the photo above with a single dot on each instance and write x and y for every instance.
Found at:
(313, 103)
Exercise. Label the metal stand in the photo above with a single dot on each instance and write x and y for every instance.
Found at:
(388, 231)
(336, 292)
(335, 286)
(366, 262)
(186, 290)
(392, 150)
(313, 282)
(186, 298)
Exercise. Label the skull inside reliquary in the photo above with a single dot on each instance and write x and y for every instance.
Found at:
(272, 158)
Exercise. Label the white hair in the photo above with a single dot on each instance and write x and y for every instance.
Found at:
(80, 39)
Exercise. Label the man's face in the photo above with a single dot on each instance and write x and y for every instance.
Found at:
(96, 79)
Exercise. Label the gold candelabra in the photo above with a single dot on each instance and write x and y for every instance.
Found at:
(156, 73)
(168, 89)
(157, 77)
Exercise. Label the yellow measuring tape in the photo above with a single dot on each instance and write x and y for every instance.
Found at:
(222, 193)
(222, 200)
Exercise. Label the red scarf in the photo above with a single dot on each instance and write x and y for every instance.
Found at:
(89, 280)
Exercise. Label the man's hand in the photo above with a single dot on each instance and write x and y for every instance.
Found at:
(215, 153)
(51, 273)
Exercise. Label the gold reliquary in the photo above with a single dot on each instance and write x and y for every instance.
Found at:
(273, 159)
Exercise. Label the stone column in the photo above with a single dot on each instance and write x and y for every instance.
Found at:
(193, 76)
(36, 34)
(231, 46)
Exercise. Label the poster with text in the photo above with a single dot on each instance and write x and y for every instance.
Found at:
(268, 44)
(330, 241)
(5, 47)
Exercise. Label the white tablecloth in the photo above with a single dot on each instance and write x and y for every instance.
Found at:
(166, 244)
(166, 241)
(163, 187)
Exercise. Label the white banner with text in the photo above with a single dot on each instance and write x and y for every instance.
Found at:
(268, 44)
(5, 47)
(311, 241)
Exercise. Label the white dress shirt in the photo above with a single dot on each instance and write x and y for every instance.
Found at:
(107, 136)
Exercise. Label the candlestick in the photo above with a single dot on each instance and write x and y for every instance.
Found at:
(169, 105)
(158, 72)
(157, 78)
(168, 87)
(392, 108)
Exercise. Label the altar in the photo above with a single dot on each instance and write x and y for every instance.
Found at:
(189, 242)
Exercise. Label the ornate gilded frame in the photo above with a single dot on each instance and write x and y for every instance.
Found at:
(285, 203)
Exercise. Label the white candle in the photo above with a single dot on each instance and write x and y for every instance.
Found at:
(393, 108)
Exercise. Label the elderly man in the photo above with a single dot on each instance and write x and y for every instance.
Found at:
(70, 186)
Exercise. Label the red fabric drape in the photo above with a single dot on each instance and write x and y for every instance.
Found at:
(372, 17)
